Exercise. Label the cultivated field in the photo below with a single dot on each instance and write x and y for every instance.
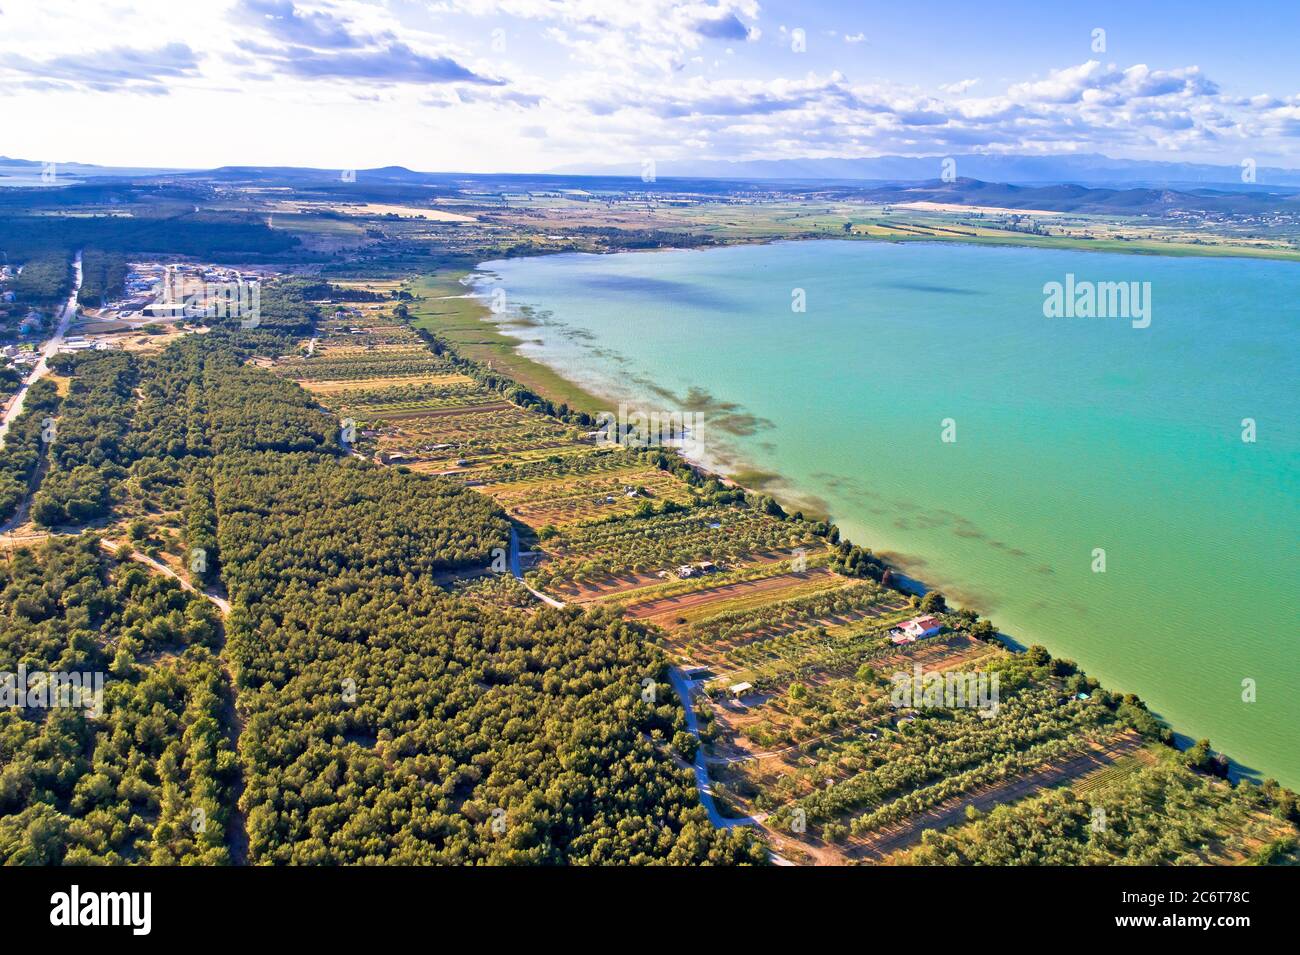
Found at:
(794, 662)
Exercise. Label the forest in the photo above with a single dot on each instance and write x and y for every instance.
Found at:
(90, 451)
(149, 778)
(103, 276)
(44, 280)
(209, 236)
(385, 719)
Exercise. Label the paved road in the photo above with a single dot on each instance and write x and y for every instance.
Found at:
(683, 688)
(47, 351)
(518, 573)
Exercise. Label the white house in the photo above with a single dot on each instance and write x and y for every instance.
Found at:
(912, 630)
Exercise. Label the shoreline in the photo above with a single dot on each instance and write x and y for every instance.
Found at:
(1050, 243)
(735, 471)
(910, 576)
(732, 469)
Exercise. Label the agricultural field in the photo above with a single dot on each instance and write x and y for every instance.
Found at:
(477, 436)
(410, 406)
(580, 499)
(604, 556)
(786, 640)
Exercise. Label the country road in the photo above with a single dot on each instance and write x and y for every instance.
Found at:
(682, 686)
(48, 350)
(702, 781)
(221, 603)
(518, 573)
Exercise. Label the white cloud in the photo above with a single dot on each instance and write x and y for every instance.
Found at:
(352, 83)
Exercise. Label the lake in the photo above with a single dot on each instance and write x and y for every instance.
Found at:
(924, 400)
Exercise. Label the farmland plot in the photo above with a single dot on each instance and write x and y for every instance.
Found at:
(818, 732)
(573, 500)
(595, 558)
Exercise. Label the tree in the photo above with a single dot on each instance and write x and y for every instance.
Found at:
(686, 744)
(933, 602)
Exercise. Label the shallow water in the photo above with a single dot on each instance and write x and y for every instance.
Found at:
(1072, 434)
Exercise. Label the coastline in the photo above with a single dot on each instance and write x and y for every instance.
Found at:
(736, 470)
(733, 469)
(446, 306)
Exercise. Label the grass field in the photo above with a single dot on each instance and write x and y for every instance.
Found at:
(443, 307)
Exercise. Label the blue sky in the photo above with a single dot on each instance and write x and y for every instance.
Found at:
(524, 85)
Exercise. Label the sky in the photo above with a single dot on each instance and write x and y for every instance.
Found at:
(533, 85)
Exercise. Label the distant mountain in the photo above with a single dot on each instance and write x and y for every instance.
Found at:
(1091, 168)
(1071, 197)
(83, 170)
(1098, 185)
(309, 174)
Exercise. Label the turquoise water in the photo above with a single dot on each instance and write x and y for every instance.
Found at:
(1071, 434)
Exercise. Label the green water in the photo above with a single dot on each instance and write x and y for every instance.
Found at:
(1071, 434)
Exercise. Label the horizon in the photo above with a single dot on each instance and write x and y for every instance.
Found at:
(608, 173)
(457, 85)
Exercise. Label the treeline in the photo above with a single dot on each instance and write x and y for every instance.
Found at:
(147, 779)
(103, 276)
(212, 237)
(342, 293)
(638, 238)
(91, 449)
(45, 279)
(25, 443)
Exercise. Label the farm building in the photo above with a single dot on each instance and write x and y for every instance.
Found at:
(166, 310)
(701, 568)
(912, 630)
